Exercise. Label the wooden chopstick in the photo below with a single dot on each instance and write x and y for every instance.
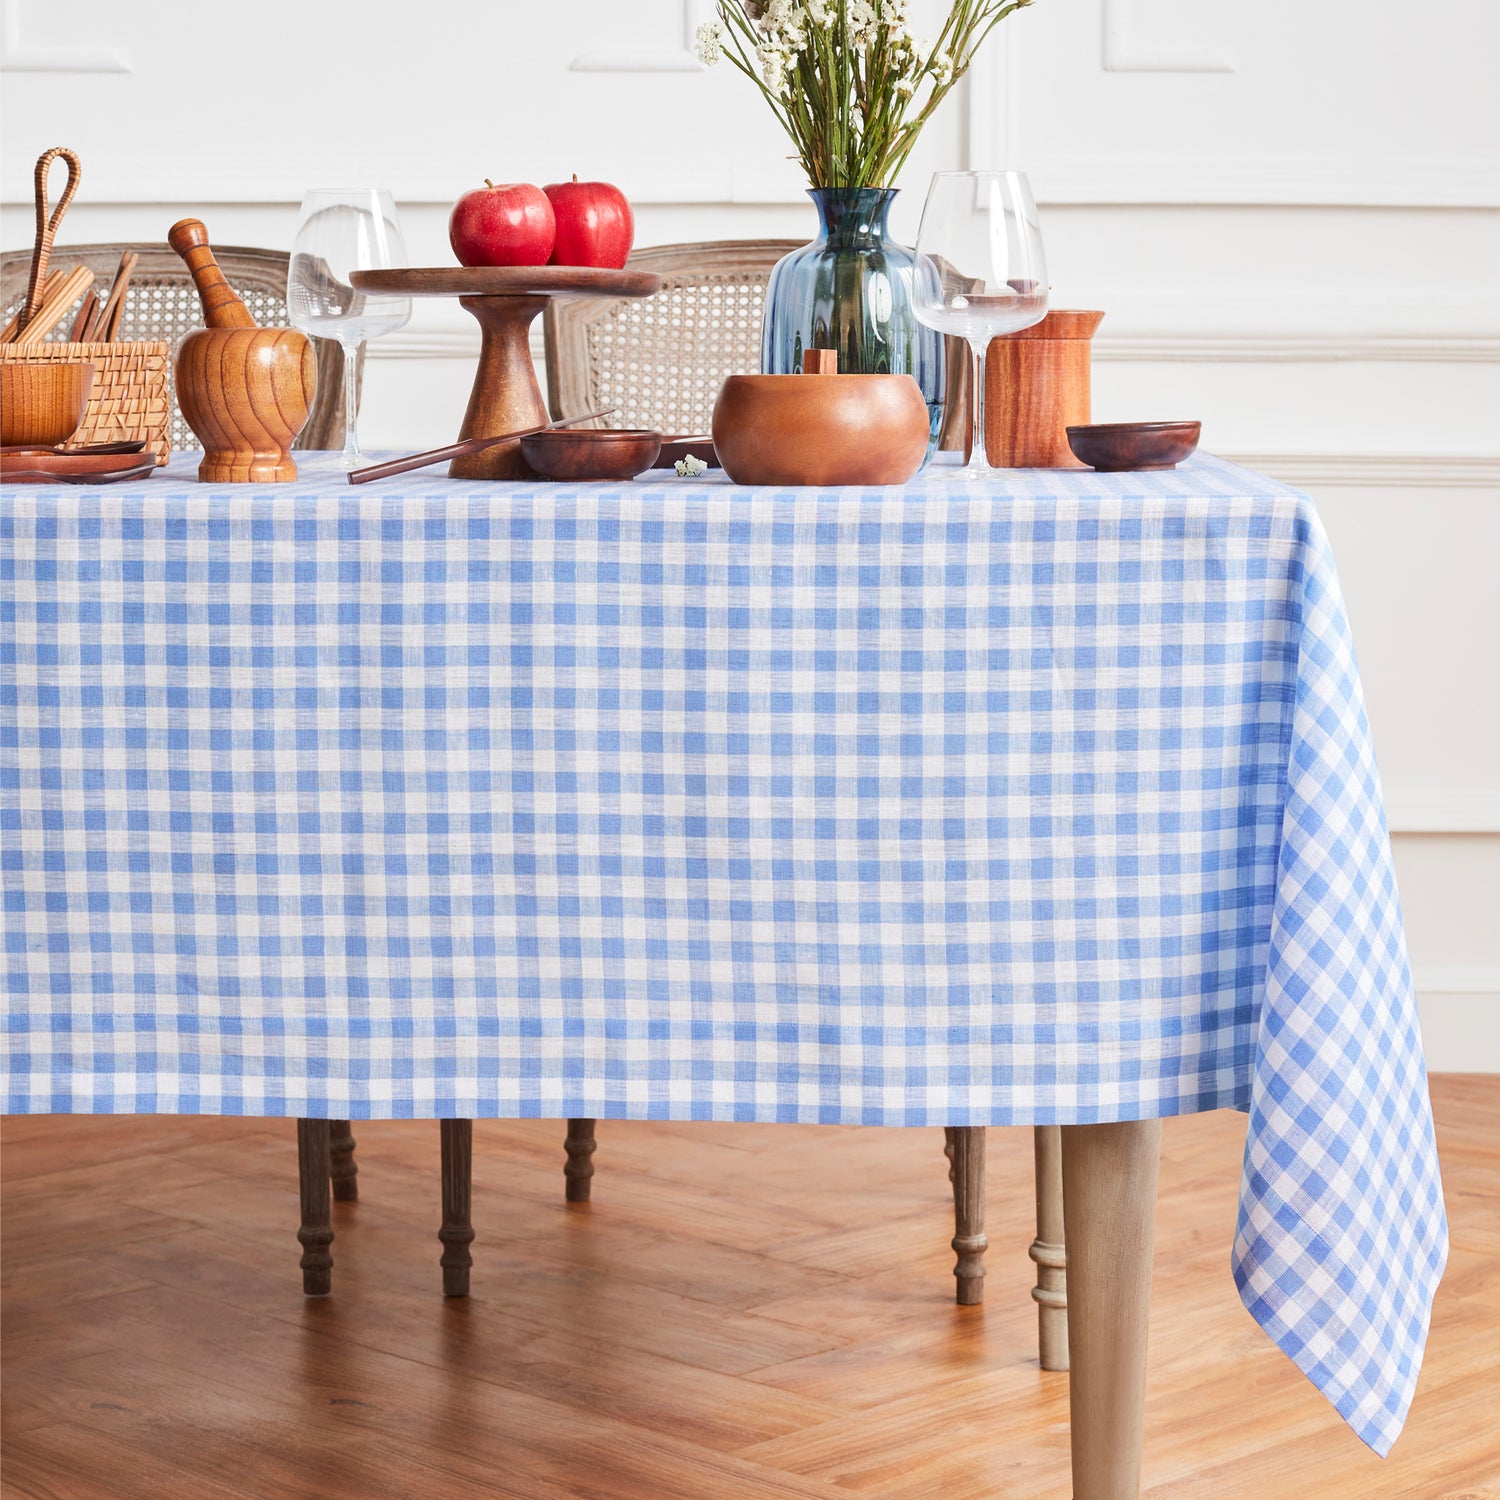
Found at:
(114, 304)
(55, 308)
(85, 319)
(11, 329)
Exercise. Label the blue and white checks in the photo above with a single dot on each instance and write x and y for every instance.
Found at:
(1046, 802)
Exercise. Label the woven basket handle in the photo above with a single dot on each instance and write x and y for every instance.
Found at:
(46, 228)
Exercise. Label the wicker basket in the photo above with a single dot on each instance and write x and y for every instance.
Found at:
(128, 402)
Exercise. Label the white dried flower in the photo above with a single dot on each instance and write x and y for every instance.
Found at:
(941, 68)
(710, 42)
(690, 467)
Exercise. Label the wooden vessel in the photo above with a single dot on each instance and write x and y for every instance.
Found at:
(821, 429)
(1036, 386)
(244, 390)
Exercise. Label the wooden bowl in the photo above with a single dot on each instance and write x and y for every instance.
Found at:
(42, 404)
(1112, 447)
(591, 452)
(821, 429)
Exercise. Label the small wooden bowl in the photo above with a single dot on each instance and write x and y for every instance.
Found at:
(1113, 447)
(821, 429)
(42, 404)
(591, 453)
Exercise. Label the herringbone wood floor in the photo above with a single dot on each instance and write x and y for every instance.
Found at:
(744, 1311)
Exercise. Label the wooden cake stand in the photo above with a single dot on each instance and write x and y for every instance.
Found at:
(504, 299)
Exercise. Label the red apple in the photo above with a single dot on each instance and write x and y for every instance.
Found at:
(595, 226)
(502, 224)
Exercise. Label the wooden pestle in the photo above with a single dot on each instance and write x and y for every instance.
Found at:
(244, 390)
(222, 307)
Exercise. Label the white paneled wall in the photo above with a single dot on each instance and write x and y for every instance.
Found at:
(1290, 213)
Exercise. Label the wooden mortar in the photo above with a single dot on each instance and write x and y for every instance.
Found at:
(244, 390)
(1036, 386)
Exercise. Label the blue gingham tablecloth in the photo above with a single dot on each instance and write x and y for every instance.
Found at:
(1046, 801)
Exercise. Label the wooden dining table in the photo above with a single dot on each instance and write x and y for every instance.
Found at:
(1046, 802)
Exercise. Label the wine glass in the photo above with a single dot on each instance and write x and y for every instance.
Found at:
(340, 232)
(981, 232)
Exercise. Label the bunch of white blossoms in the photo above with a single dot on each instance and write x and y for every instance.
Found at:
(785, 30)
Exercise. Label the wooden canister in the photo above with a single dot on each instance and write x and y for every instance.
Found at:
(1036, 386)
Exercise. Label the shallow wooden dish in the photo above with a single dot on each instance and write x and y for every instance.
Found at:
(1114, 447)
(821, 429)
(591, 452)
(42, 404)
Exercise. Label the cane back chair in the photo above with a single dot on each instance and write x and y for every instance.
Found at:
(163, 304)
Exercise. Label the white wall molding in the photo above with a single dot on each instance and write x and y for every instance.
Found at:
(1378, 471)
(1191, 348)
(17, 55)
(1417, 810)
(1124, 52)
(1332, 181)
(1477, 346)
(415, 187)
(1446, 979)
(682, 58)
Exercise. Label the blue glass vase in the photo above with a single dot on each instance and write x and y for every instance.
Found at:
(851, 290)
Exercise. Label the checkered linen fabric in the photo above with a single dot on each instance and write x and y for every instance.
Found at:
(1045, 801)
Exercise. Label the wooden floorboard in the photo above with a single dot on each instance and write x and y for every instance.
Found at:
(743, 1312)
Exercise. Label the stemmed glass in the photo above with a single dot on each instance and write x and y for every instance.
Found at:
(981, 231)
(340, 232)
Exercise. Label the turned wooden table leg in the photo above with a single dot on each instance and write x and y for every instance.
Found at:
(316, 1233)
(457, 1233)
(965, 1147)
(341, 1162)
(1109, 1207)
(579, 1171)
(1051, 1290)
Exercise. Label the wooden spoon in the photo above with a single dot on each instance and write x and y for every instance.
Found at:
(462, 449)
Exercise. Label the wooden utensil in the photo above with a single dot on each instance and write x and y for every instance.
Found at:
(86, 310)
(461, 449)
(55, 308)
(52, 472)
(1036, 386)
(821, 430)
(13, 327)
(245, 391)
(109, 315)
(1113, 447)
(89, 450)
(598, 453)
(41, 404)
(46, 227)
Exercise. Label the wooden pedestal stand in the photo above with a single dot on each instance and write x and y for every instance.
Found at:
(504, 300)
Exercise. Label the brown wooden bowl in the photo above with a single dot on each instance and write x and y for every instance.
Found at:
(42, 404)
(591, 452)
(821, 429)
(1113, 447)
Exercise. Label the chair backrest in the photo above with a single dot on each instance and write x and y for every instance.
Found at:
(163, 304)
(661, 360)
